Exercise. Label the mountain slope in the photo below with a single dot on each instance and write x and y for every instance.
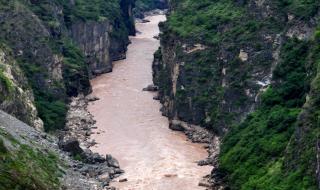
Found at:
(246, 71)
(60, 44)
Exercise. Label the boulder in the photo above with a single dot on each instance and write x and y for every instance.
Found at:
(204, 183)
(96, 158)
(123, 180)
(71, 145)
(156, 97)
(151, 88)
(145, 20)
(92, 98)
(112, 162)
(105, 178)
(176, 126)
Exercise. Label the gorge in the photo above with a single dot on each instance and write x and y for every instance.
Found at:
(134, 131)
(114, 94)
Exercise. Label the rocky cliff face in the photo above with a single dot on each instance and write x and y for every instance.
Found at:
(94, 40)
(60, 44)
(222, 61)
(105, 40)
(16, 97)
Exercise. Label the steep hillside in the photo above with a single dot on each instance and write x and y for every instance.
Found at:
(49, 50)
(60, 44)
(246, 70)
(31, 160)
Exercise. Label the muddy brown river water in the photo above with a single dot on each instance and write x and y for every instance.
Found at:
(132, 129)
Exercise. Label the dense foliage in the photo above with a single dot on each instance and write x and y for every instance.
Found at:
(97, 10)
(254, 153)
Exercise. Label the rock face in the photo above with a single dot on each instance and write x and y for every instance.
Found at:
(104, 41)
(16, 97)
(94, 40)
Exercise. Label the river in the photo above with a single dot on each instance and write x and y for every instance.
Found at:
(132, 129)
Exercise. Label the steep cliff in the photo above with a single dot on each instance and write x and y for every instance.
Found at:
(60, 44)
(243, 70)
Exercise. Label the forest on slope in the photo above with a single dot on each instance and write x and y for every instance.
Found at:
(248, 71)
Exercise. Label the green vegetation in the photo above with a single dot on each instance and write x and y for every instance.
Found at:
(224, 20)
(145, 4)
(203, 24)
(51, 111)
(4, 81)
(254, 154)
(275, 146)
(301, 8)
(75, 74)
(142, 6)
(25, 168)
(97, 10)
(225, 27)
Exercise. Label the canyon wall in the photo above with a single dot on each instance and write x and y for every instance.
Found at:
(60, 44)
(244, 70)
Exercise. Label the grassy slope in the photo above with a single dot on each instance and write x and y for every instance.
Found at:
(23, 167)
